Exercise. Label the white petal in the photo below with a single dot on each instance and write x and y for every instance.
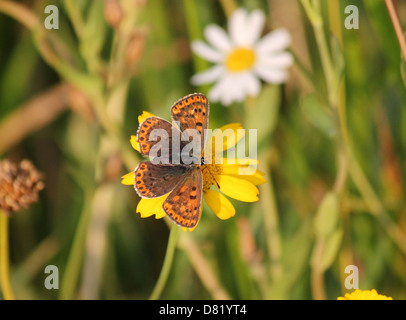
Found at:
(237, 27)
(216, 92)
(252, 85)
(279, 60)
(255, 24)
(234, 90)
(218, 38)
(234, 87)
(272, 75)
(275, 41)
(224, 90)
(229, 95)
(206, 52)
(208, 76)
(237, 91)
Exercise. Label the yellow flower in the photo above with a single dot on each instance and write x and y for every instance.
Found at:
(219, 180)
(364, 295)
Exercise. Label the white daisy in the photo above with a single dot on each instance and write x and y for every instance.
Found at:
(242, 58)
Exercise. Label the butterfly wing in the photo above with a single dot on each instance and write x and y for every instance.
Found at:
(156, 130)
(183, 204)
(192, 112)
(155, 180)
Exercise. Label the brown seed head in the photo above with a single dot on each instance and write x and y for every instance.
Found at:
(19, 185)
(113, 13)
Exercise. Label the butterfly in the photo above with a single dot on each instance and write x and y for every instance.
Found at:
(182, 181)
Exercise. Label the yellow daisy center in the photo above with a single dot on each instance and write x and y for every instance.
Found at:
(240, 59)
(210, 172)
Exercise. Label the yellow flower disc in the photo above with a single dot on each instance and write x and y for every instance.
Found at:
(240, 59)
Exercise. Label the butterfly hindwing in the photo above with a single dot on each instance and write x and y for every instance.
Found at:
(183, 204)
(155, 180)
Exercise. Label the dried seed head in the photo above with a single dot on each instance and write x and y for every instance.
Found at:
(135, 48)
(113, 13)
(19, 185)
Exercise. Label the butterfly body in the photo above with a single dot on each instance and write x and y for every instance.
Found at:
(170, 171)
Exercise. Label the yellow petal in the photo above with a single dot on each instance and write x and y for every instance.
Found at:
(228, 136)
(240, 161)
(184, 229)
(148, 207)
(220, 205)
(134, 143)
(128, 179)
(244, 172)
(232, 130)
(144, 116)
(238, 188)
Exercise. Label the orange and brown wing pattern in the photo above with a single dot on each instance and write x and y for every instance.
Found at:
(184, 202)
(192, 112)
(155, 180)
(146, 138)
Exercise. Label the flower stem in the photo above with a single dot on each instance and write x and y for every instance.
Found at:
(74, 264)
(4, 258)
(166, 267)
(203, 268)
(375, 206)
(317, 275)
(397, 26)
(271, 224)
(325, 59)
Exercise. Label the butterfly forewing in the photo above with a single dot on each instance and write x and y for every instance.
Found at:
(156, 130)
(183, 204)
(155, 180)
(192, 112)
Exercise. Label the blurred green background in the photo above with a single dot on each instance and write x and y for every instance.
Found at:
(73, 96)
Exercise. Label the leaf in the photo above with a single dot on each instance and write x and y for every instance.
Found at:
(328, 232)
(94, 33)
(295, 259)
(326, 218)
(318, 115)
(330, 249)
(263, 112)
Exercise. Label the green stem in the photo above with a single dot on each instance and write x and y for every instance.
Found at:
(74, 264)
(397, 26)
(166, 267)
(194, 29)
(375, 206)
(271, 223)
(203, 268)
(328, 68)
(317, 275)
(75, 16)
(4, 258)
(313, 11)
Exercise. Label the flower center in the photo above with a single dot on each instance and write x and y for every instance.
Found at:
(240, 59)
(210, 172)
